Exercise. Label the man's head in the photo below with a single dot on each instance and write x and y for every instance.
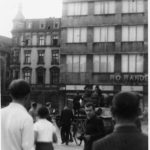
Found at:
(48, 104)
(20, 91)
(34, 105)
(89, 110)
(125, 106)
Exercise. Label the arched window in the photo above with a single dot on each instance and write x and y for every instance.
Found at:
(54, 74)
(40, 75)
(27, 74)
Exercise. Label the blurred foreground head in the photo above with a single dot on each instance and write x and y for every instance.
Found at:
(19, 89)
(125, 106)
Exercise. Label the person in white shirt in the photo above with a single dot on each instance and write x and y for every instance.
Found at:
(16, 124)
(45, 131)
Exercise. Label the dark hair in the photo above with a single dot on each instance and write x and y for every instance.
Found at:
(125, 105)
(19, 88)
(48, 104)
(43, 112)
(34, 104)
(89, 104)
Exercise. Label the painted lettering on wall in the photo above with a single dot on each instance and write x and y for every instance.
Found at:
(129, 77)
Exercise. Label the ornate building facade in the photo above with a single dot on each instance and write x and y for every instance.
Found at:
(35, 55)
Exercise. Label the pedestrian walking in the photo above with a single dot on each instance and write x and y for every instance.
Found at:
(66, 119)
(16, 123)
(76, 104)
(126, 136)
(94, 127)
(45, 131)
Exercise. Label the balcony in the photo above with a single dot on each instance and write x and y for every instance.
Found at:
(132, 46)
(104, 47)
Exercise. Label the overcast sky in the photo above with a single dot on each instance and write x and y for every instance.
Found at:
(30, 9)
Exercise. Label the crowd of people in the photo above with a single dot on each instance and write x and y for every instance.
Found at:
(28, 128)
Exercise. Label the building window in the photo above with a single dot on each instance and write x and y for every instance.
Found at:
(76, 63)
(29, 25)
(132, 63)
(27, 55)
(54, 75)
(27, 74)
(132, 6)
(75, 9)
(41, 56)
(132, 33)
(15, 56)
(42, 25)
(103, 63)
(76, 35)
(104, 7)
(40, 75)
(104, 34)
(16, 74)
(55, 40)
(42, 40)
(27, 40)
(56, 25)
(55, 57)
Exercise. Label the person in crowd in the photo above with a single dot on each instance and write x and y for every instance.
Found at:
(48, 106)
(94, 127)
(33, 111)
(45, 131)
(125, 107)
(76, 104)
(66, 119)
(74, 130)
(16, 123)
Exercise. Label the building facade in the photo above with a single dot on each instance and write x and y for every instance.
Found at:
(5, 77)
(105, 43)
(35, 55)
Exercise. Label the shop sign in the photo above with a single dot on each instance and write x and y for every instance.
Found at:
(129, 77)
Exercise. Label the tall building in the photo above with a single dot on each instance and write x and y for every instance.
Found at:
(35, 55)
(105, 43)
(5, 75)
